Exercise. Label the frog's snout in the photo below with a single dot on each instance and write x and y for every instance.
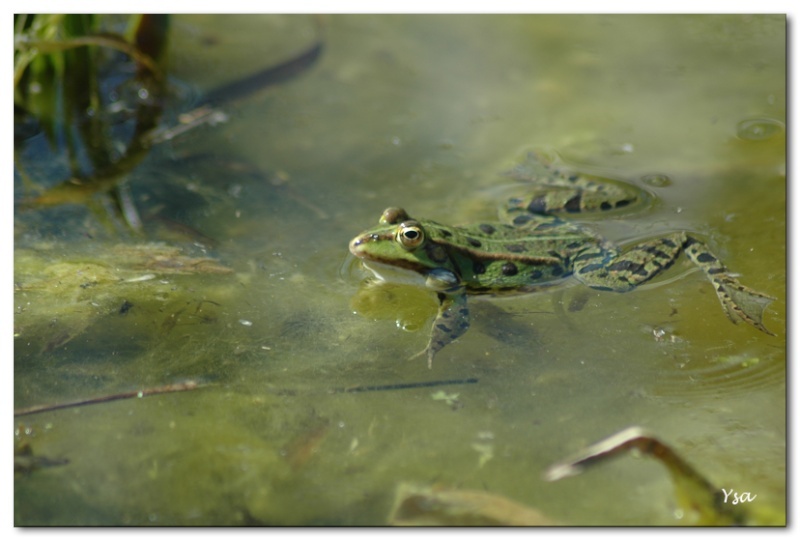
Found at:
(355, 246)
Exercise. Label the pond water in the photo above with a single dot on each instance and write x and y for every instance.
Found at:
(427, 113)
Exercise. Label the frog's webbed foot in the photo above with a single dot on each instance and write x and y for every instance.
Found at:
(739, 301)
(742, 303)
(451, 321)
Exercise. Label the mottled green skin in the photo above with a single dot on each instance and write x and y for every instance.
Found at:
(537, 250)
(540, 253)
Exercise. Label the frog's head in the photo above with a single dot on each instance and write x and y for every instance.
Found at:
(399, 241)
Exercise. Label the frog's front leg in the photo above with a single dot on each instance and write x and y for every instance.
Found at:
(452, 320)
(606, 269)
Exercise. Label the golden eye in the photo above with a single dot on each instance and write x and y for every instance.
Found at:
(410, 236)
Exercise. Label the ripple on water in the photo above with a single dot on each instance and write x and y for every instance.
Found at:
(759, 129)
(657, 180)
(731, 374)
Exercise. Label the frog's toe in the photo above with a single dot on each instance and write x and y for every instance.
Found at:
(744, 304)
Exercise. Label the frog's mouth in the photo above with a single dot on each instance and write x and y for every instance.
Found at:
(393, 273)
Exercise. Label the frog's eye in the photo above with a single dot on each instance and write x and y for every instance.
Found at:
(410, 236)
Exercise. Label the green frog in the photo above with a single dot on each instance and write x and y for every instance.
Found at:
(537, 248)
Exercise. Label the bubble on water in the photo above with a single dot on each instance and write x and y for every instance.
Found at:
(657, 180)
(758, 129)
(408, 326)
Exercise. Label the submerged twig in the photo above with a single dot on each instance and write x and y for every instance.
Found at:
(269, 76)
(397, 386)
(693, 491)
(232, 92)
(171, 388)
(204, 114)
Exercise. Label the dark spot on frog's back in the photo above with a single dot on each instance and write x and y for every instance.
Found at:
(486, 228)
(445, 233)
(475, 243)
(574, 204)
(515, 248)
(538, 205)
(509, 269)
(522, 219)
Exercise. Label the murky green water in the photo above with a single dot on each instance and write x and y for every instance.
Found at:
(424, 112)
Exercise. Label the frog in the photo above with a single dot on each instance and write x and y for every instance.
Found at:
(536, 246)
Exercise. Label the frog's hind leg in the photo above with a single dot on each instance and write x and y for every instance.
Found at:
(557, 189)
(607, 269)
(739, 301)
(556, 199)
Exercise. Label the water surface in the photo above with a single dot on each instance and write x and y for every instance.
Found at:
(424, 112)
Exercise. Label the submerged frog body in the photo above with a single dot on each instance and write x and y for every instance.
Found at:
(537, 249)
